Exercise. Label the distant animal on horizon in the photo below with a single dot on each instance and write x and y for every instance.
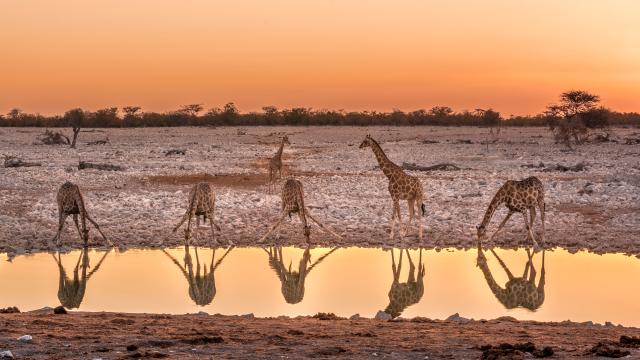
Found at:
(71, 202)
(275, 163)
(519, 196)
(202, 202)
(401, 187)
(293, 203)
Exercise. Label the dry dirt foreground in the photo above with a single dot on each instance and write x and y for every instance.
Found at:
(595, 209)
(121, 336)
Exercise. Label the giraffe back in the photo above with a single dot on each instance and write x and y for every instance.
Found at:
(70, 199)
(293, 196)
(403, 295)
(202, 199)
(523, 293)
(523, 194)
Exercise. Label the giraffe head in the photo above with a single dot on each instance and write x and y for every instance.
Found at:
(366, 142)
(285, 140)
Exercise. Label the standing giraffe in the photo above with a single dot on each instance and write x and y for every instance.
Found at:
(293, 202)
(202, 202)
(275, 163)
(403, 295)
(518, 291)
(71, 202)
(401, 187)
(292, 282)
(518, 196)
(202, 286)
(71, 291)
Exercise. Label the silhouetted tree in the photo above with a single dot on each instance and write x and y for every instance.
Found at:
(575, 115)
(75, 118)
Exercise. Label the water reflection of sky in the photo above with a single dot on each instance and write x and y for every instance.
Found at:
(347, 281)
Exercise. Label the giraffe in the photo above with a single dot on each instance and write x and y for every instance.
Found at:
(403, 295)
(275, 163)
(519, 196)
(293, 282)
(202, 286)
(293, 202)
(71, 202)
(71, 291)
(518, 291)
(202, 202)
(401, 187)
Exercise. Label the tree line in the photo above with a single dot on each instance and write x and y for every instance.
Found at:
(229, 115)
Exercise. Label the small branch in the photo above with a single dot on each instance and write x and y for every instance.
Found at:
(437, 167)
(106, 167)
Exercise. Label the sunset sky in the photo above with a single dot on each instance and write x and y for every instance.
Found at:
(513, 56)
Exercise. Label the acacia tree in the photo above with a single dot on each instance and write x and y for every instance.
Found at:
(75, 118)
(577, 113)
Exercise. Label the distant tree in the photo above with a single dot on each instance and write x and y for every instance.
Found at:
(575, 116)
(191, 109)
(131, 117)
(76, 119)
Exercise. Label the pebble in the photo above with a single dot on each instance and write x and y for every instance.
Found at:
(381, 315)
(25, 338)
(7, 354)
(355, 317)
(456, 317)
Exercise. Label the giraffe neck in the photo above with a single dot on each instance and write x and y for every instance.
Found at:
(495, 202)
(279, 153)
(386, 165)
(499, 292)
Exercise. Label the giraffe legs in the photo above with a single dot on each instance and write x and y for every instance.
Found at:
(396, 214)
(322, 226)
(412, 268)
(528, 227)
(542, 208)
(75, 220)
(502, 224)
(214, 227)
(98, 228)
(277, 224)
(62, 217)
(504, 266)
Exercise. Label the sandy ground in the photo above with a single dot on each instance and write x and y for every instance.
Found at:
(595, 209)
(109, 335)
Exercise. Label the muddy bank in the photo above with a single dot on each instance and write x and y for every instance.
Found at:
(120, 336)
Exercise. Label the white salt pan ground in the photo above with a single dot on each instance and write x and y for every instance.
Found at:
(343, 187)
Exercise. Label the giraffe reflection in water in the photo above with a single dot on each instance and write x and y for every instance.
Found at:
(293, 281)
(403, 295)
(71, 291)
(202, 283)
(518, 291)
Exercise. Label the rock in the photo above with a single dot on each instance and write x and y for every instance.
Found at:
(59, 310)
(381, 315)
(132, 347)
(7, 354)
(507, 318)
(25, 338)
(608, 323)
(456, 317)
(355, 317)
(202, 313)
(248, 316)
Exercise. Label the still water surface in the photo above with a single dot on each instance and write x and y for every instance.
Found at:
(345, 281)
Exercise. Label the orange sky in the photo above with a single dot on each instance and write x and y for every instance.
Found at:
(514, 56)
